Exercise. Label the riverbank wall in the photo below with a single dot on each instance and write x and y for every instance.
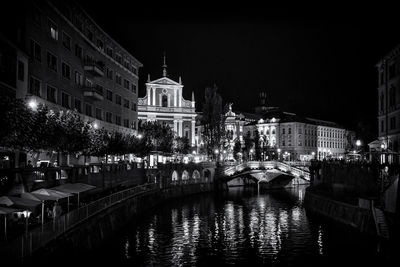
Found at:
(93, 232)
(356, 217)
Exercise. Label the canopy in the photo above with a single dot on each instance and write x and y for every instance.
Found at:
(18, 202)
(51, 194)
(5, 211)
(74, 188)
(36, 197)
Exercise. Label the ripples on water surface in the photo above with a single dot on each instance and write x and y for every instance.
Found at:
(240, 227)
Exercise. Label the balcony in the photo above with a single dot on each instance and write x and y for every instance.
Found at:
(96, 68)
(93, 92)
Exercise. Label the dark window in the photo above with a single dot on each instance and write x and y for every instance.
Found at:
(382, 126)
(78, 51)
(134, 70)
(118, 58)
(89, 34)
(51, 94)
(109, 73)
(65, 100)
(21, 70)
(118, 99)
(133, 87)
(289, 130)
(165, 101)
(283, 142)
(126, 64)
(108, 117)
(51, 61)
(126, 123)
(34, 86)
(118, 78)
(117, 120)
(78, 78)
(392, 123)
(35, 51)
(109, 51)
(109, 95)
(126, 83)
(78, 105)
(100, 44)
(53, 29)
(88, 110)
(382, 99)
(283, 131)
(126, 103)
(133, 106)
(381, 77)
(66, 70)
(99, 114)
(66, 41)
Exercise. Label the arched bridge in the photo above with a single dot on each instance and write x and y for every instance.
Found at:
(270, 172)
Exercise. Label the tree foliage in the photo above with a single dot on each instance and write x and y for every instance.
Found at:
(181, 145)
(213, 119)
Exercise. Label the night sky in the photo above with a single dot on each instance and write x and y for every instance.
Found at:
(319, 65)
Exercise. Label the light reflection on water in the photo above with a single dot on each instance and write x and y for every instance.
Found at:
(240, 227)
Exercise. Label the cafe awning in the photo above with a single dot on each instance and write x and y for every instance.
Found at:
(19, 203)
(74, 188)
(51, 194)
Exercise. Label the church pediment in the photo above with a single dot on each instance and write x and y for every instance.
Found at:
(165, 81)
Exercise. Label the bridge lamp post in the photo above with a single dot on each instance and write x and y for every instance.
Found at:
(216, 151)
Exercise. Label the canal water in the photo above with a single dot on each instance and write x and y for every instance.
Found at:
(240, 227)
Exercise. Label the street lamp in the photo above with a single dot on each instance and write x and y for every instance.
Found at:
(139, 136)
(95, 125)
(279, 153)
(32, 104)
(313, 154)
(251, 154)
(216, 151)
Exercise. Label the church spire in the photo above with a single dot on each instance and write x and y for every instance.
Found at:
(192, 96)
(164, 67)
(148, 78)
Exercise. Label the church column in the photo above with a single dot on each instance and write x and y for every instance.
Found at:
(175, 92)
(192, 131)
(154, 96)
(148, 96)
(180, 127)
(176, 126)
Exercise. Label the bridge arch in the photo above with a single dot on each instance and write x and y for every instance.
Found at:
(185, 175)
(174, 176)
(196, 175)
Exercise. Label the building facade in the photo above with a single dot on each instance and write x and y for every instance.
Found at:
(389, 106)
(164, 102)
(292, 137)
(74, 64)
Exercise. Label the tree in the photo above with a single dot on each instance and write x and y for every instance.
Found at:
(16, 122)
(156, 136)
(237, 149)
(248, 145)
(213, 119)
(181, 145)
(257, 147)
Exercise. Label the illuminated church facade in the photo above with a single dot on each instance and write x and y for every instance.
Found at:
(164, 103)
